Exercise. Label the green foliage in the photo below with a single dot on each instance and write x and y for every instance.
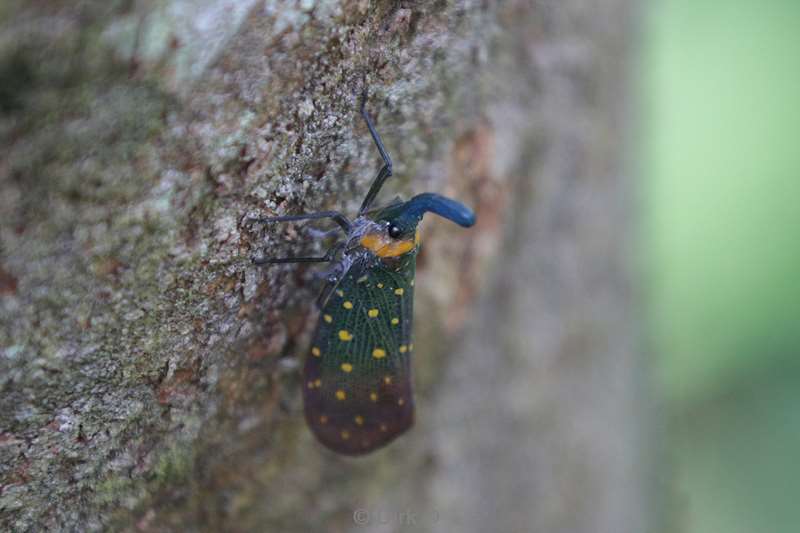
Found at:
(721, 221)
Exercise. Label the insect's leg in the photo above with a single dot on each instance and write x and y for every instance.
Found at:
(327, 258)
(336, 216)
(325, 294)
(330, 274)
(281, 260)
(386, 170)
(334, 276)
(315, 233)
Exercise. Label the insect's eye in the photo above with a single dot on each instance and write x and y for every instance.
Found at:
(394, 231)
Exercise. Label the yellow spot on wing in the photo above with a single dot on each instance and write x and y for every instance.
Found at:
(315, 351)
(399, 291)
(340, 394)
(345, 434)
(340, 292)
(387, 380)
(380, 285)
(347, 304)
(373, 396)
(347, 367)
(327, 318)
(317, 383)
(359, 419)
(378, 353)
(403, 348)
(372, 313)
(395, 321)
(345, 335)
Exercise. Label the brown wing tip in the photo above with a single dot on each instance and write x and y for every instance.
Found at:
(353, 440)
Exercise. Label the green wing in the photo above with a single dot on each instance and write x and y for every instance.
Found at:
(357, 378)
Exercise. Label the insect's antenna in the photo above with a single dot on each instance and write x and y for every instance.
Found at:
(386, 170)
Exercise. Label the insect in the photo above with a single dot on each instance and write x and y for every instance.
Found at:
(357, 376)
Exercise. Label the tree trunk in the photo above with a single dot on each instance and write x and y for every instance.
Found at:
(150, 373)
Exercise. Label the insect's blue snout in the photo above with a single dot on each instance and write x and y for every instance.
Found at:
(442, 206)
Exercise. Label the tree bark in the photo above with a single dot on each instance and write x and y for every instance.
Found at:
(150, 373)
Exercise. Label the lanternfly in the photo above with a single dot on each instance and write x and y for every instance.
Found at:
(357, 376)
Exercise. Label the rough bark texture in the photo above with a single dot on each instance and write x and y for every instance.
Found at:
(149, 373)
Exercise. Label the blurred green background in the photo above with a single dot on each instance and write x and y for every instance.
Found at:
(721, 167)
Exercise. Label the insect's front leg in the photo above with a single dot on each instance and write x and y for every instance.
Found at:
(336, 216)
(320, 234)
(327, 258)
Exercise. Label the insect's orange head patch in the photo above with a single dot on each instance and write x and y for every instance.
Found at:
(384, 246)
